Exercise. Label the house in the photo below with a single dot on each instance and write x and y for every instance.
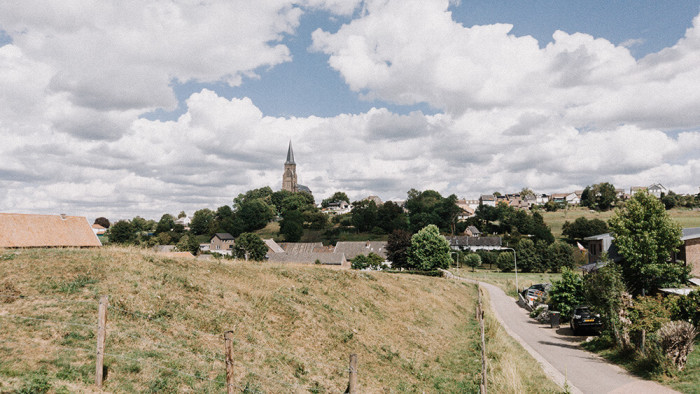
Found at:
(378, 201)
(337, 208)
(601, 244)
(690, 250)
(184, 222)
(472, 231)
(98, 229)
(46, 231)
(222, 243)
(473, 204)
(574, 198)
(487, 199)
(635, 189)
(304, 247)
(462, 242)
(272, 246)
(657, 190)
(333, 259)
(559, 198)
(542, 199)
(519, 203)
(467, 211)
(353, 249)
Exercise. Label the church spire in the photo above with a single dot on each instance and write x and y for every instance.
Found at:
(290, 154)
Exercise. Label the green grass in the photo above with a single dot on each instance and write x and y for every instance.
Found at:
(555, 220)
(686, 381)
(506, 280)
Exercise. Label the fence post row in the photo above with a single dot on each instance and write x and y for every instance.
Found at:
(101, 338)
(228, 339)
(480, 316)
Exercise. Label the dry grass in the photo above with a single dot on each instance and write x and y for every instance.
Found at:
(294, 326)
(506, 280)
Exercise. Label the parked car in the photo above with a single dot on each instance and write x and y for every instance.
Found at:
(585, 319)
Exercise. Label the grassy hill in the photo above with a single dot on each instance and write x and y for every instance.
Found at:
(555, 220)
(294, 327)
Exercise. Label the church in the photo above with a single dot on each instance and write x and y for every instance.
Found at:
(289, 177)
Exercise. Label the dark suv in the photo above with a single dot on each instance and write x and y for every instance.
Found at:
(584, 319)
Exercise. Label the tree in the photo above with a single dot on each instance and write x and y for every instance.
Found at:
(526, 192)
(390, 217)
(646, 236)
(250, 246)
(188, 243)
(291, 226)
(429, 250)
(473, 260)
(141, 224)
(165, 224)
(582, 228)
(364, 215)
(122, 232)
(254, 214)
(102, 221)
(505, 261)
(336, 197)
(559, 256)
(601, 196)
(182, 214)
(429, 207)
(201, 221)
(397, 248)
(603, 291)
(566, 294)
(371, 261)
(528, 258)
(264, 193)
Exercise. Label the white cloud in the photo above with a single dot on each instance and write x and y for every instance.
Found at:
(511, 114)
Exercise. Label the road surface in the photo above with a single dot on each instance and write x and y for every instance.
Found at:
(560, 355)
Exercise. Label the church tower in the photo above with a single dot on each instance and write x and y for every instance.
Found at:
(289, 178)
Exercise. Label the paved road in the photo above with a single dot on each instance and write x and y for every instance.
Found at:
(560, 355)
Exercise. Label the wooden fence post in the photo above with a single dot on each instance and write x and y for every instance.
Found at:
(228, 339)
(352, 383)
(101, 338)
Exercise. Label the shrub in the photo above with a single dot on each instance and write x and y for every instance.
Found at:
(567, 293)
(473, 260)
(676, 339)
(505, 261)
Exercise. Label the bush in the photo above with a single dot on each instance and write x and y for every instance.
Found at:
(567, 293)
(371, 261)
(473, 260)
(676, 339)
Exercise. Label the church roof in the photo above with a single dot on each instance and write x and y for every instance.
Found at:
(290, 155)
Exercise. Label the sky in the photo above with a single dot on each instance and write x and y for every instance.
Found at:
(129, 108)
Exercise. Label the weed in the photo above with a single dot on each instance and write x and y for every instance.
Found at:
(74, 286)
(36, 384)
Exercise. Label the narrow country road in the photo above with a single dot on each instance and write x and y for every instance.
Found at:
(560, 355)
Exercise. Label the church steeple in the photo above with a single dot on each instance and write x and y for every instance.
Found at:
(289, 177)
(290, 154)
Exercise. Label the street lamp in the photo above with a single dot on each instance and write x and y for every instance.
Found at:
(515, 261)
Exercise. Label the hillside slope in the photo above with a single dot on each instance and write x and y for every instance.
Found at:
(294, 326)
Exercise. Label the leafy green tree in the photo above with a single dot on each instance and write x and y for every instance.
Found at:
(566, 294)
(201, 221)
(601, 196)
(397, 248)
(429, 207)
(291, 226)
(250, 246)
(102, 221)
(122, 232)
(277, 198)
(603, 291)
(182, 214)
(364, 215)
(487, 257)
(429, 250)
(473, 260)
(559, 256)
(263, 193)
(166, 224)
(390, 217)
(646, 236)
(141, 224)
(528, 258)
(371, 261)
(298, 202)
(526, 192)
(188, 243)
(582, 228)
(505, 261)
(254, 214)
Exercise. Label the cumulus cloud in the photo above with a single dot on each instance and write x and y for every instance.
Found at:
(509, 113)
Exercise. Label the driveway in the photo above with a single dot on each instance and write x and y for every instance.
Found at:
(560, 355)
